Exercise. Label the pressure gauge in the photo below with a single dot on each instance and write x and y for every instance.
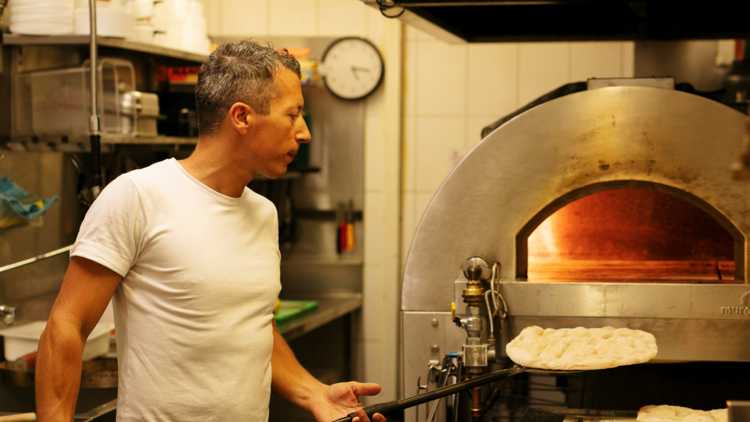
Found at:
(353, 68)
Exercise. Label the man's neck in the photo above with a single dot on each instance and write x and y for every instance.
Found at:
(216, 164)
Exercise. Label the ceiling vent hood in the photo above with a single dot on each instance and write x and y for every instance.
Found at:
(459, 21)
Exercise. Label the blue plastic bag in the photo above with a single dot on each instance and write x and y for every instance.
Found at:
(22, 203)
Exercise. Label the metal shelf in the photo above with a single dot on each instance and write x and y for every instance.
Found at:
(80, 143)
(329, 309)
(148, 140)
(15, 39)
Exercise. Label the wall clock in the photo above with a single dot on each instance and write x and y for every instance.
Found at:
(353, 68)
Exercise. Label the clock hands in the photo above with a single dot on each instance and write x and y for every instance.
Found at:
(359, 68)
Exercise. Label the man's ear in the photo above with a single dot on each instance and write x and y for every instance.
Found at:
(241, 117)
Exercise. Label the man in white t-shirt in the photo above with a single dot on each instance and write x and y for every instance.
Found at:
(191, 256)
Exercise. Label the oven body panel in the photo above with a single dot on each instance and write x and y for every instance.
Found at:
(616, 135)
(425, 340)
(551, 155)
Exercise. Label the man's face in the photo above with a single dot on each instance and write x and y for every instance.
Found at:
(276, 137)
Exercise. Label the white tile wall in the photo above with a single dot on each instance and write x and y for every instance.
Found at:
(542, 68)
(420, 205)
(595, 60)
(441, 81)
(374, 164)
(411, 33)
(374, 223)
(375, 367)
(411, 69)
(293, 17)
(374, 103)
(492, 87)
(474, 128)
(374, 22)
(438, 140)
(372, 291)
(212, 9)
(242, 17)
(377, 345)
(409, 154)
(342, 17)
(628, 59)
(408, 223)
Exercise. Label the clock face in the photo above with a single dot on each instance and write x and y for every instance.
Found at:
(353, 68)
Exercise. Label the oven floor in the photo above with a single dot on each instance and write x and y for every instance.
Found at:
(714, 272)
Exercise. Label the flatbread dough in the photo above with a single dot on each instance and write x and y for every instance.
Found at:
(581, 348)
(666, 413)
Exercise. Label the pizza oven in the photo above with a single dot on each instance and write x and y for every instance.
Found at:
(608, 207)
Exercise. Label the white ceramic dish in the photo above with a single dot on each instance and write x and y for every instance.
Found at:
(109, 22)
(144, 34)
(24, 339)
(67, 20)
(142, 9)
(41, 28)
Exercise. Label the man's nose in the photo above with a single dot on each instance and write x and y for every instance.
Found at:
(303, 135)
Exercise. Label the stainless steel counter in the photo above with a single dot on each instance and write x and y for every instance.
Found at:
(330, 307)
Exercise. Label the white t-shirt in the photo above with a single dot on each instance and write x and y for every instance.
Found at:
(194, 309)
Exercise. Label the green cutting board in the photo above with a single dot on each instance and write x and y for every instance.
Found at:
(290, 310)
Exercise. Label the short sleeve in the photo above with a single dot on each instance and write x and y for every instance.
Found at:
(113, 230)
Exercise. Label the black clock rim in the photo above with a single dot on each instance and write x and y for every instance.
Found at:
(382, 68)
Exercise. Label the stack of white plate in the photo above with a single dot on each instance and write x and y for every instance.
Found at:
(110, 22)
(41, 17)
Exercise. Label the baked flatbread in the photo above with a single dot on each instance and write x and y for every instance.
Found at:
(680, 414)
(581, 348)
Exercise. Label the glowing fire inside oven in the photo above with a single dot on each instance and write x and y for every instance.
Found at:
(631, 235)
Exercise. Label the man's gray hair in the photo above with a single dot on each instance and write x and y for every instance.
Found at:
(238, 71)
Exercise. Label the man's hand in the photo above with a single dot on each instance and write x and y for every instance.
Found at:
(338, 400)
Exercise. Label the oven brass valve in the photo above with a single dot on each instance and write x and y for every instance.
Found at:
(476, 270)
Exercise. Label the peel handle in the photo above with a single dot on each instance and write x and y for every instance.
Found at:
(384, 409)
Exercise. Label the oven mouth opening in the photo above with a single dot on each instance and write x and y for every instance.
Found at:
(630, 231)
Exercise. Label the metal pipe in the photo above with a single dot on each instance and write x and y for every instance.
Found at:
(490, 314)
(35, 259)
(94, 120)
(95, 135)
(493, 278)
(476, 403)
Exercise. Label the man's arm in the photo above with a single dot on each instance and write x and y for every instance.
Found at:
(291, 381)
(84, 295)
